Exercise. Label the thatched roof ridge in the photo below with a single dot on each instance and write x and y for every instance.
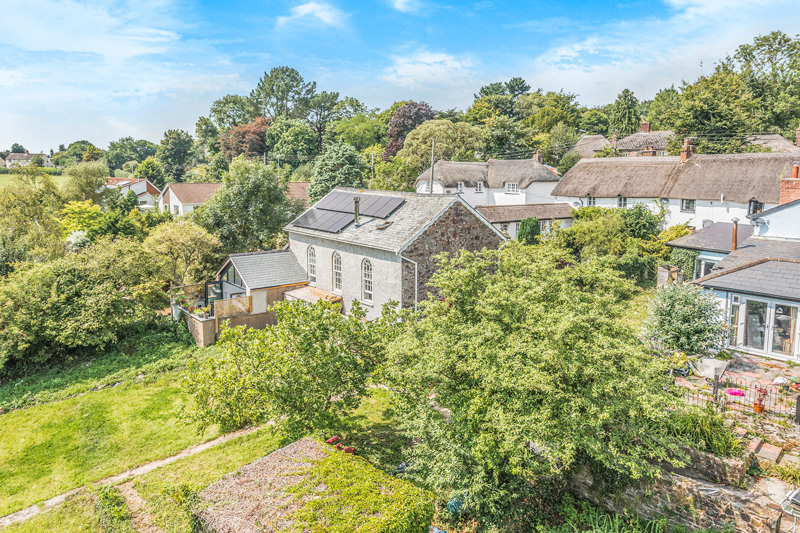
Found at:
(495, 173)
(589, 144)
(636, 142)
(739, 177)
(606, 177)
(773, 141)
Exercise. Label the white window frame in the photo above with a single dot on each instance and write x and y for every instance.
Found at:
(512, 188)
(311, 264)
(460, 187)
(591, 201)
(336, 267)
(622, 202)
(479, 187)
(367, 286)
(688, 205)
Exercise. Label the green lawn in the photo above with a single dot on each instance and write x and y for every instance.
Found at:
(49, 449)
(77, 515)
(6, 179)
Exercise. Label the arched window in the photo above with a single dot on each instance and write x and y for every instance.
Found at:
(312, 265)
(337, 272)
(366, 280)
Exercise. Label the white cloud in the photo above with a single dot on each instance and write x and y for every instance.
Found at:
(406, 6)
(439, 78)
(314, 12)
(648, 55)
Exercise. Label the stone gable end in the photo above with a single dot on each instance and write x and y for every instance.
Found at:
(457, 229)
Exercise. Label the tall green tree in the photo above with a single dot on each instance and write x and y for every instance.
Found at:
(207, 136)
(248, 212)
(594, 122)
(128, 149)
(538, 371)
(663, 112)
(454, 141)
(86, 181)
(291, 139)
(339, 165)
(504, 135)
(283, 93)
(625, 119)
(182, 246)
(529, 231)
(361, 130)
(233, 110)
(323, 108)
(174, 154)
(151, 170)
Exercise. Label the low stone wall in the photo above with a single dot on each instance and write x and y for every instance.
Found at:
(707, 467)
(203, 329)
(684, 501)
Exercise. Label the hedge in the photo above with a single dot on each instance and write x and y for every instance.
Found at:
(46, 170)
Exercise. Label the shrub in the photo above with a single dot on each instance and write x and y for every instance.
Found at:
(640, 222)
(686, 318)
(113, 511)
(707, 431)
(685, 260)
(529, 231)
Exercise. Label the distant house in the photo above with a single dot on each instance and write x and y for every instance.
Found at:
(182, 198)
(2, 163)
(693, 189)
(496, 182)
(758, 282)
(384, 249)
(23, 160)
(507, 218)
(298, 190)
(588, 145)
(146, 192)
(644, 142)
(774, 143)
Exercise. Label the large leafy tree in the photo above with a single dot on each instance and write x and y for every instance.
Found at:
(248, 139)
(361, 130)
(86, 181)
(594, 122)
(504, 135)
(72, 154)
(150, 170)
(233, 110)
(454, 141)
(174, 154)
(405, 119)
(80, 216)
(207, 136)
(183, 246)
(304, 372)
(625, 117)
(283, 93)
(249, 210)
(339, 165)
(529, 354)
(323, 108)
(292, 140)
(663, 112)
(128, 149)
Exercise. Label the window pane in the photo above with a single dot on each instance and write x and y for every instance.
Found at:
(366, 280)
(337, 272)
(312, 264)
(733, 335)
(783, 328)
(755, 324)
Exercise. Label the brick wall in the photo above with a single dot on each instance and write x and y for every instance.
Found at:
(457, 229)
(790, 190)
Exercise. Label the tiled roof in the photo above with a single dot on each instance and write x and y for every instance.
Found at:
(715, 238)
(273, 268)
(639, 141)
(407, 221)
(298, 190)
(193, 193)
(772, 277)
(516, 213)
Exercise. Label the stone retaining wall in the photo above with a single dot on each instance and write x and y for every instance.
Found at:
(707, 467)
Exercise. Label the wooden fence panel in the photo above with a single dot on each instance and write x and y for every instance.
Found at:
(232, 306)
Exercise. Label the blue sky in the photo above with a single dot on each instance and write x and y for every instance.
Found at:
(103, 69)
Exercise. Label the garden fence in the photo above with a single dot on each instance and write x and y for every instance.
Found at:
(749, 396)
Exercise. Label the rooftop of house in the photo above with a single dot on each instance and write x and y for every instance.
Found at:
(266, 269)
(192, 193)
(717, 237)
(24, 157)
(589, 144)
(497, 214)
(394, 231)
(776, 143)
(495, 173)
(759, 249)
(657, 140)
(772, 277)
(298, 190)
(736, 177)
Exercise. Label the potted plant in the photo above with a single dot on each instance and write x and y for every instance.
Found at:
(761, 394)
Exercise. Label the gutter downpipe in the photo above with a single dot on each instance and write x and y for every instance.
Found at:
(416, 279)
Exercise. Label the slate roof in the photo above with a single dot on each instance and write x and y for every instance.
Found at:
(272, 268)
(715, 238)
(192, 193)
(589, 144)
(407, 221)
(758, 248)
(516, 213)
(639, 141)
(770, 277)
(495, 173)
(740, 177)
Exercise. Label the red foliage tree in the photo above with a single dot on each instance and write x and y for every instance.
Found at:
(249, 139)
(405, 119)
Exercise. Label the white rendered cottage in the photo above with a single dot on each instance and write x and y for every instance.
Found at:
(182, 198)
(146, 192)
(496, 182)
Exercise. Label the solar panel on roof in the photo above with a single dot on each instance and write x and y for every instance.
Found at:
(371, 205)
(323, 220)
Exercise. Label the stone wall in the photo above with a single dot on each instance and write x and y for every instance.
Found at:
(684, 501)
(707, 467)
(456, 229)
(202, 329)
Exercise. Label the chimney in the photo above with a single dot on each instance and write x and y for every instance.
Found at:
(687, 149)
(790, 187)
(797, 136)
(648, 151)
(735, 234)
(645, 127)
(614, 138)
(538, 157)
(356, 201)
(26, 152)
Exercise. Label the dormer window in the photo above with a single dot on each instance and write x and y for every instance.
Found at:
(460, 187)
(754, 207)
(479, 187)
(512, 188)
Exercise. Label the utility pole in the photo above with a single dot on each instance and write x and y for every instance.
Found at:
(433, 162)
(372, 164)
